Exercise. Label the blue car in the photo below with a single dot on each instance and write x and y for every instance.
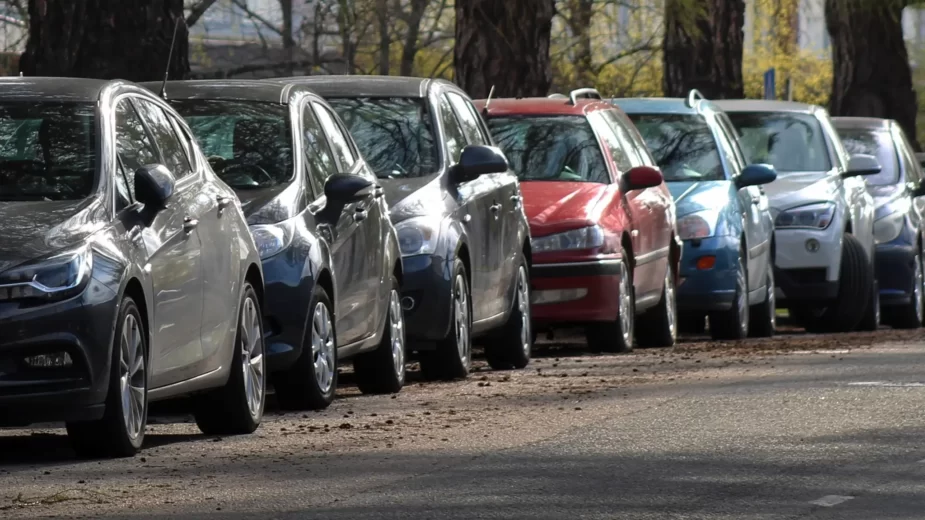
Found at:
(723, 215)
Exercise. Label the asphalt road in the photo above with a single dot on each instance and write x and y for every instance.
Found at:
(823, 428)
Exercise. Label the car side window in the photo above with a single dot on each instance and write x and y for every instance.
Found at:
(726, 147)
(733, 136)
(615, 146)
(165, 136)
(625, 135)
(185, 141)
(134, 147)
(455, 139)
(910, 164)
(319, 160)
(340, 144)
(123, 194)
(469, 119)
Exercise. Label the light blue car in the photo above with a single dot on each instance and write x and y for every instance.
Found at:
(727, 268)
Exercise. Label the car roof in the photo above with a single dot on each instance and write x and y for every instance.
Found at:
(341, 86)
(224, 89)
(872, 123)
(53, 89)
(540, 106)
(665, 106)
(762, 105)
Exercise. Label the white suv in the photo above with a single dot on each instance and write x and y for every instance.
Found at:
(823, 215)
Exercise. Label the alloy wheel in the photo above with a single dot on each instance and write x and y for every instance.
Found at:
(772, 298)
(523, 306)
(323, 347)
(252, 357)
(461, 313)
(671, 311)
(626, 305)
(132, 377)
(917, 290)
(397, 331)
(742, 301)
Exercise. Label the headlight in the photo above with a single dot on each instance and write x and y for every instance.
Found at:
(57, 277)
(418, 236)
(697, 225)
(272, 238)
(817, 216)
(889, 227)
(584, 238)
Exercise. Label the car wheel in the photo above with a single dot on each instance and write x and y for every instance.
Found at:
(121, 431)
(659, 326)
(912, 314)
(855, 280)
(617, 335)
(453, 356)
(382, 371)
(871, 320)
(764, 315)
(512, 348)
(237, 407)
(310, 384)
(733, 323)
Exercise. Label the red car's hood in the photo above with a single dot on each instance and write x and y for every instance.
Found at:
(555, 206)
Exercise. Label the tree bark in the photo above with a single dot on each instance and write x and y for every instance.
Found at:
(106, 39)
(579, 22)
(505, 45)
(871, 76)
(385, 39)
(703, 47)
(288, 40)
(412, 34)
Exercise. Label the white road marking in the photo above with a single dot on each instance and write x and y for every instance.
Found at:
(886, 383)
(922, 461)
(830, 500)
(840, 351)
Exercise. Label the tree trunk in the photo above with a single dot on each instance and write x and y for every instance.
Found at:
(505, 44)
(703, 48)
(285, 7)
(385, 39)
(413, 31)
(106, 39)
(871, 76)
(579, 23)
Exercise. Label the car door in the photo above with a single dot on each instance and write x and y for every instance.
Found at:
(174, 253)
(913, 177)
(357, 246)
(478, 205)
(504, 191)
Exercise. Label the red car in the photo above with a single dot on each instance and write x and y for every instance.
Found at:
(605, 249)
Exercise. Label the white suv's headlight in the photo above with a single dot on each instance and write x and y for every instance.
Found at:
(418, 236)
(887, 228)
(583, 238)
(272, 238)
(697, 225)
(816, 216)
(57, 277)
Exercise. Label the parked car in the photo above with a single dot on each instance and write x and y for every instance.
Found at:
(124, 278)
(605, 245)
(329, 252)
(823, 215)
(727, 267)
(899, 199)
(464, 238)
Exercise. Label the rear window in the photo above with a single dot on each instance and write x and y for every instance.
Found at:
(551, 148)
(683, 146)
(792, 142)
(878, 143)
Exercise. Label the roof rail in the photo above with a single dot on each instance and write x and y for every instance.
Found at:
(692, 97)
(585, 93)
(557, 96)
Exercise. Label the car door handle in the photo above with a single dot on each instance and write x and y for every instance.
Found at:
(516, 199)
(359, 215)
(378, 192)
(189, 224)
(756, 200)
(495, 208)
(222, 201)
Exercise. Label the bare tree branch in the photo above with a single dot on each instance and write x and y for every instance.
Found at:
(198, 9)
(242, 5)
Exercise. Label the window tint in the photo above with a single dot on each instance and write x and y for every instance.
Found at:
(792, 142)
(185, 141)
(732, 136)
(123, 194)
(878, 143)
(133, 144)
(551, 148)
(683, 146)
(469, 120)
(914, 172)
(616, 147)
(455, 140)
(319, 161)
(165, 136)
(339, 142)
(726, 147)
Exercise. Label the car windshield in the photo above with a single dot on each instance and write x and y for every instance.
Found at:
(551, 148)
(395, 135)
(791, 142)
(47, 150)
(878, 143)
(248, 143)
(683, 146)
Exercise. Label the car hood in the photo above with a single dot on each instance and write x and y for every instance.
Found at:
(414, 197)
(796, 188)
(30, 230)
(694, 196)
(271, 205)
(553, 205)
(885, 198)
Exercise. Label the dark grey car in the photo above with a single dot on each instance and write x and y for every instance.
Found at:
(127, 273)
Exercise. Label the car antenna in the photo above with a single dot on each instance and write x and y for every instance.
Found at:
(173, 41)
(488, 101)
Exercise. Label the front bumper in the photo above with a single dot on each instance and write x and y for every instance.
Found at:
(807, 263)
(710, 289)
(288, 286)
(426, 293)
(83, 328)
(589, 292)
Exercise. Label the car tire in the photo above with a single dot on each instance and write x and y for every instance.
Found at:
(659, 326)
(733, 324)
(452, 358)
(855, 280)
(310, 384)
(382, 371)
(763, 317)
(911, 315)
(871, 320)
(617, 336)
(237, 408)
(512, 347)
(120, 432)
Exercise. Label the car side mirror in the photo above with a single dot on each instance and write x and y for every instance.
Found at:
(478, 160)
(642, 177)
(345, 188)
(756, 175)
(917, 189)
(154, 185)
(862, 164)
